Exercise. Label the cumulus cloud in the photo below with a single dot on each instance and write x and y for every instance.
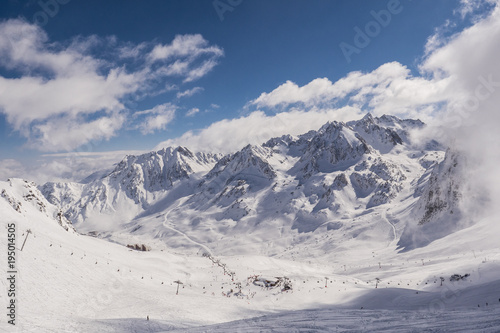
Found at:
(68, 132)
(200, 71)
(192, 112)
(52, 84)
(468, 63)
(322, 90)
(388, 89)
(132, 51)
(72, 83)
(256, 128)
(156, 118)
(189, 92)
(187, 49)
(189, 46)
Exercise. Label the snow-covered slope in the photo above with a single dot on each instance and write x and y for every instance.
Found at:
(24, 198)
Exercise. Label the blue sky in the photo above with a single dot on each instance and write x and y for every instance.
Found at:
(256, 58)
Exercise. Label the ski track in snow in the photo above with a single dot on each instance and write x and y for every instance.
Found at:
(165, 221)
(384, 217)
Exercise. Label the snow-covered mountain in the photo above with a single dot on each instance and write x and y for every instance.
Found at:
(131, 187)
(302, 186)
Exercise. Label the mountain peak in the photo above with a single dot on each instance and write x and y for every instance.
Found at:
(368, 117)
(331, 126)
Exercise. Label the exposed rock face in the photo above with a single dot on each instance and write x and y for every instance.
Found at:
(438, 212)
(443, 192)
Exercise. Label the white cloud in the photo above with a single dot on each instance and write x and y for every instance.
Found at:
(156, 118)
(198, 72)
(189, 46)
(64, 167)
(11, 168)
(68, 132)
(189, 92)
(469, 62)
(470, 13)
(256, 128)
(72, 85)
(133, 51)
(192, 112)
(51, 83)
(472, 6)
(438, 38)
(27, 99)
(75, 166)
(389, 88)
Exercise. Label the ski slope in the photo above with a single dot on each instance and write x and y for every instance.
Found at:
(76, 283)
